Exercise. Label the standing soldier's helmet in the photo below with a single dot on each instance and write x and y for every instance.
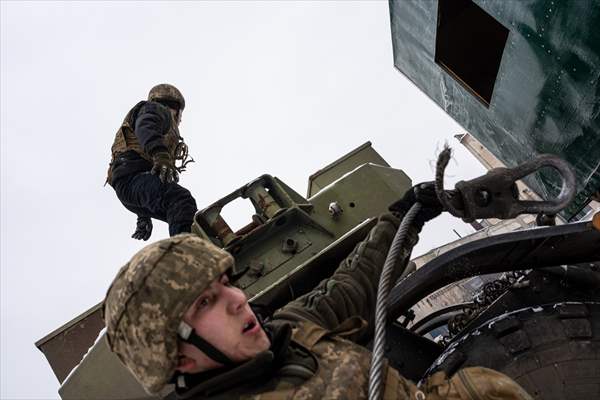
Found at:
(146, 301)
(166, 93)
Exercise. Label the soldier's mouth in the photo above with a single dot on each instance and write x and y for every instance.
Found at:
(250, 326)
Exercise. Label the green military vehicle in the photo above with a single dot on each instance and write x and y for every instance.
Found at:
(545, 316)
(288, 246)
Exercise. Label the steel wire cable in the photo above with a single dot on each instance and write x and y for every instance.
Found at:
(381, 307)
(444, 196)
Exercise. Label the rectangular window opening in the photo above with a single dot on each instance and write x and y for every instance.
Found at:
(469, 46)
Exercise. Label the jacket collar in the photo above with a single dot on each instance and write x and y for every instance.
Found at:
(256, 370)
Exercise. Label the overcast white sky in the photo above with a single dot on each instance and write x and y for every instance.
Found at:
(271, 87)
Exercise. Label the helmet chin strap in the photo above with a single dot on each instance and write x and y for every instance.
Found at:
(188, 335)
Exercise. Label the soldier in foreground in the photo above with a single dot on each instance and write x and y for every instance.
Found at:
(142, 169)
(173, 317)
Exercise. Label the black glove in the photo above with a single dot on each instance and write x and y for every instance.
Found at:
(143, 229)
(164, 168)
(423, 193)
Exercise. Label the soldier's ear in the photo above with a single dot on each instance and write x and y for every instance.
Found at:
(185, 364)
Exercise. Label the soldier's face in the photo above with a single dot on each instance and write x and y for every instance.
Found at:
(176, 115)
(222, 316)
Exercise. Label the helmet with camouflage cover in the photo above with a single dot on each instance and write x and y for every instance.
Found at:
(168, 93)
(145, 303)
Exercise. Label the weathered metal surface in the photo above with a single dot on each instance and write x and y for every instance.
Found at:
(546, 95)
(65, 347)
(305, 276)
(100, 376)
(283, 215)
(329, 173)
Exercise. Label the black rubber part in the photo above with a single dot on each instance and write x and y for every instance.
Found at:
(553, 352)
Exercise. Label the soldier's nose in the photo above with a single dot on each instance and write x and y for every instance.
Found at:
(237, 300)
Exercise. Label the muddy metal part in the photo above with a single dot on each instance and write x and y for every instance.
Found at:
(288, 246)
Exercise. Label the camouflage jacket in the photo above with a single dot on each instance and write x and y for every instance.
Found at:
(322, 360)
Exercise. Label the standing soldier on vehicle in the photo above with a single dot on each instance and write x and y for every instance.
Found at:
(142, 169)
(173, 317)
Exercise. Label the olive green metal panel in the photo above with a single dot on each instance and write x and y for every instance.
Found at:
(364, 192)
(326, 175)
(267, 254)
(546, 97)
(65, 347)
(287, 230)
(101, 376)
(303, 277)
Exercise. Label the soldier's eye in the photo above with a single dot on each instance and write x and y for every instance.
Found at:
(204, 302)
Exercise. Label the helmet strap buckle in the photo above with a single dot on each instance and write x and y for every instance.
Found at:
(188, 335)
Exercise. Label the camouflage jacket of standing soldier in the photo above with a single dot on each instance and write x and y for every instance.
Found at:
(314, 355)
(147, 129)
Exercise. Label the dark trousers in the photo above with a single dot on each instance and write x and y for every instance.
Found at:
(145, 195)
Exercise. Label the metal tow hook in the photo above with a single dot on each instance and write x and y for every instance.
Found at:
(495, 194)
